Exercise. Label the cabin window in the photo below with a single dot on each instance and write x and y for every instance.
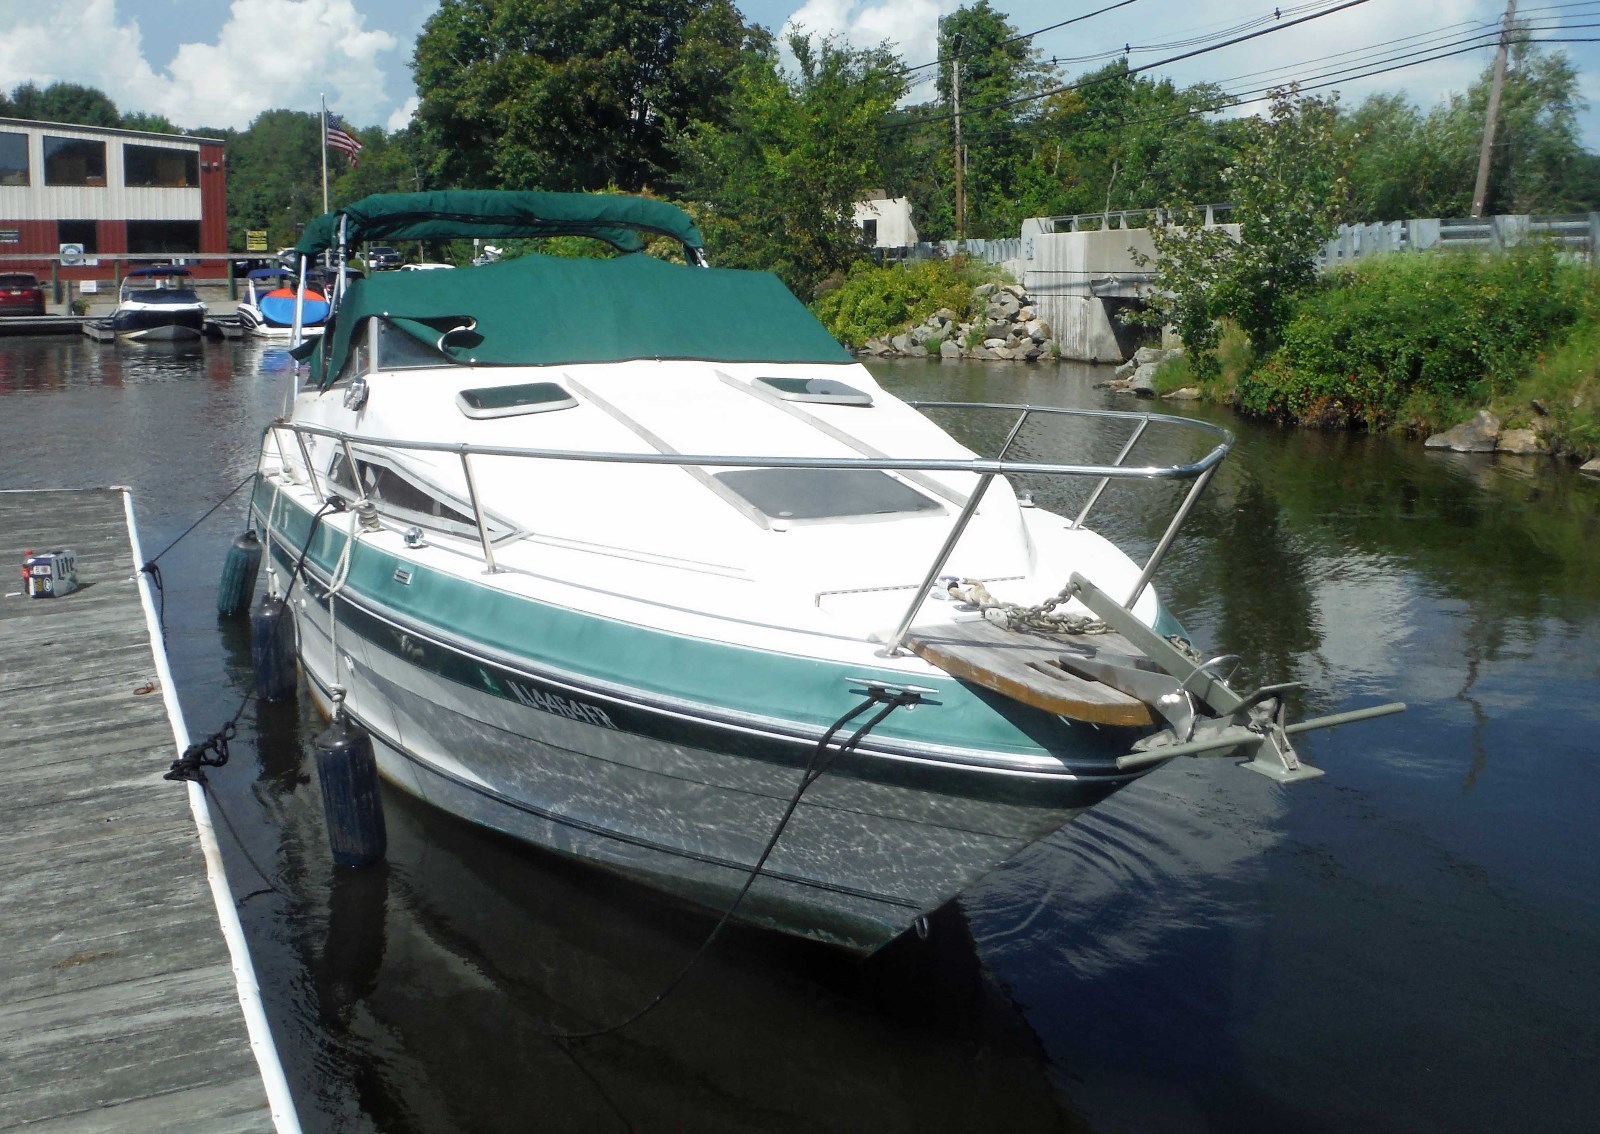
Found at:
(403, 499)
(826, 494)
(826, 390)
(13, 159)
(74, 161)
(158, 167)
(154, 236)
(397, 350)
(508, 401)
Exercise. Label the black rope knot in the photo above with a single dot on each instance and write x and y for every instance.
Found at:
(212, 752)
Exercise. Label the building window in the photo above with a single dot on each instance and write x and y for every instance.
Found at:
(74, 161)
(869, 229)
(154, 167)
(84, 232)
(13, 159)
(159, 236)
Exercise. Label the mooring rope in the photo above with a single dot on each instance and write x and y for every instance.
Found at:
(817, 763)
(151, 568)
(212, 751)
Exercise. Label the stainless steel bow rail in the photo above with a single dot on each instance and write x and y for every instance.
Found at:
(1204, 716)
(985, 469)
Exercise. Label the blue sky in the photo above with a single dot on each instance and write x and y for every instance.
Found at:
(221, 62)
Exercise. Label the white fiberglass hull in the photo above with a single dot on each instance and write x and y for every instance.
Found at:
(680, 799)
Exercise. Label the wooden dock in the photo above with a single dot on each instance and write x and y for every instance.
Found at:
(127, 998)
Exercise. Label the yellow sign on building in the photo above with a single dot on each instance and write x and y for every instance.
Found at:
(255, 240)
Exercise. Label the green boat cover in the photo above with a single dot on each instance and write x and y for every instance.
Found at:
(546, 310)
(463, 214)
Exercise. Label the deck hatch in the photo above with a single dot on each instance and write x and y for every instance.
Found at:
(825, 494)
(827, 390)
(507, 401)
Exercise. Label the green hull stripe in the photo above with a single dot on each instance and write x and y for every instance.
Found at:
(808, 692)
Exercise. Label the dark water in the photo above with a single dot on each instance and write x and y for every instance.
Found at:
(1408, 944)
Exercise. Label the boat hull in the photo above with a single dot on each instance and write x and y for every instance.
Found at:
(159, 325)
(682, 800)
(257, 325)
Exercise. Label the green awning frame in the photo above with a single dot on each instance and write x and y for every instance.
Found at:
(464, 214)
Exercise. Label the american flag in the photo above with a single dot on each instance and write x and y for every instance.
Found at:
(342, 140)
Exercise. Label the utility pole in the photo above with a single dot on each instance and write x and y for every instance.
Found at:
(1480, 191)
(961, 157)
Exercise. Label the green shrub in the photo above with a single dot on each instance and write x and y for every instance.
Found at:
(1219, 371)
(875, 302)
(1566, 383)
(1401, 337)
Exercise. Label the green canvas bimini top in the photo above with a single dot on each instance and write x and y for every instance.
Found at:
(464, 214)
(545, 310)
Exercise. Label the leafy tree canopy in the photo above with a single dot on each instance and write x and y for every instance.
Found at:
(1288, 187)
(776, 185)
(572, 94)
(1413, 164)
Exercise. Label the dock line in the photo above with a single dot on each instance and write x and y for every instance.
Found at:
(284, 1117)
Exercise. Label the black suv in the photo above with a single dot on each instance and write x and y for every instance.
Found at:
(382, 258)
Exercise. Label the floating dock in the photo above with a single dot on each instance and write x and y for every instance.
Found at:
(128, 1000)
(42, 324)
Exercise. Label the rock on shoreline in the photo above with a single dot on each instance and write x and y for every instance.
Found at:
(1010, 327)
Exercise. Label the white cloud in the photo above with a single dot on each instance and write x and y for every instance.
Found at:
(402, 116)
(912, 26)
(269, 53)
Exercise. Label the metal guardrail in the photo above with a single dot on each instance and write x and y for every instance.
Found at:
(1101, 221)
(1198, 472)
(1575, 233)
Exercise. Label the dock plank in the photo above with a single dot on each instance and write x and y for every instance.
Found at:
(119, 1008)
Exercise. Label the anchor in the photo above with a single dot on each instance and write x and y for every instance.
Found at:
(1176, 687)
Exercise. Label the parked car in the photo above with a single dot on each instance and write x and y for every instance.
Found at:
(380, 258)
(20, 294)
(424, 267)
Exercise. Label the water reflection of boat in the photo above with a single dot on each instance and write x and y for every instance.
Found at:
(623, 587)
(466, 926)
(268, 308)
(156, 304)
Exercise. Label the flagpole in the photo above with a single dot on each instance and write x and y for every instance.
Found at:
(324, 100)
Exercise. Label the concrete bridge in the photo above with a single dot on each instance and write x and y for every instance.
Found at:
(1083, 275)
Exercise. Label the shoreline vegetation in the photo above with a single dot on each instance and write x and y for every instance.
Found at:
(1500, 349)
(1476, 351)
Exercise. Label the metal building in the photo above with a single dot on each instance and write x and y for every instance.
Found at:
(82, 193)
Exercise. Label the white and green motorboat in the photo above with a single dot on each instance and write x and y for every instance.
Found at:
(632, 561)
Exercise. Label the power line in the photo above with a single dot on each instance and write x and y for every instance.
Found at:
(1025, 35)
(1251, 96)
(1131, 71)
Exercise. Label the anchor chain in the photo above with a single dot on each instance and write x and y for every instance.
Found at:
(1042, 616)
(1015, 616)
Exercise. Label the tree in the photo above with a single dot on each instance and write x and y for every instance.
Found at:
(572, 94)
(274, 176)
(1001, 79)
(1120, 141)
(1410, 164)
(62, 102)
(1288, 187)
(149, 123)
(775, 188)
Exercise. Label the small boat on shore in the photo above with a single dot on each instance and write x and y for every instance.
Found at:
(685, 593)
(154, 304)
(268, 308)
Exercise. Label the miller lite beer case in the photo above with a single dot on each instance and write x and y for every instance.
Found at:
(49, 574)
